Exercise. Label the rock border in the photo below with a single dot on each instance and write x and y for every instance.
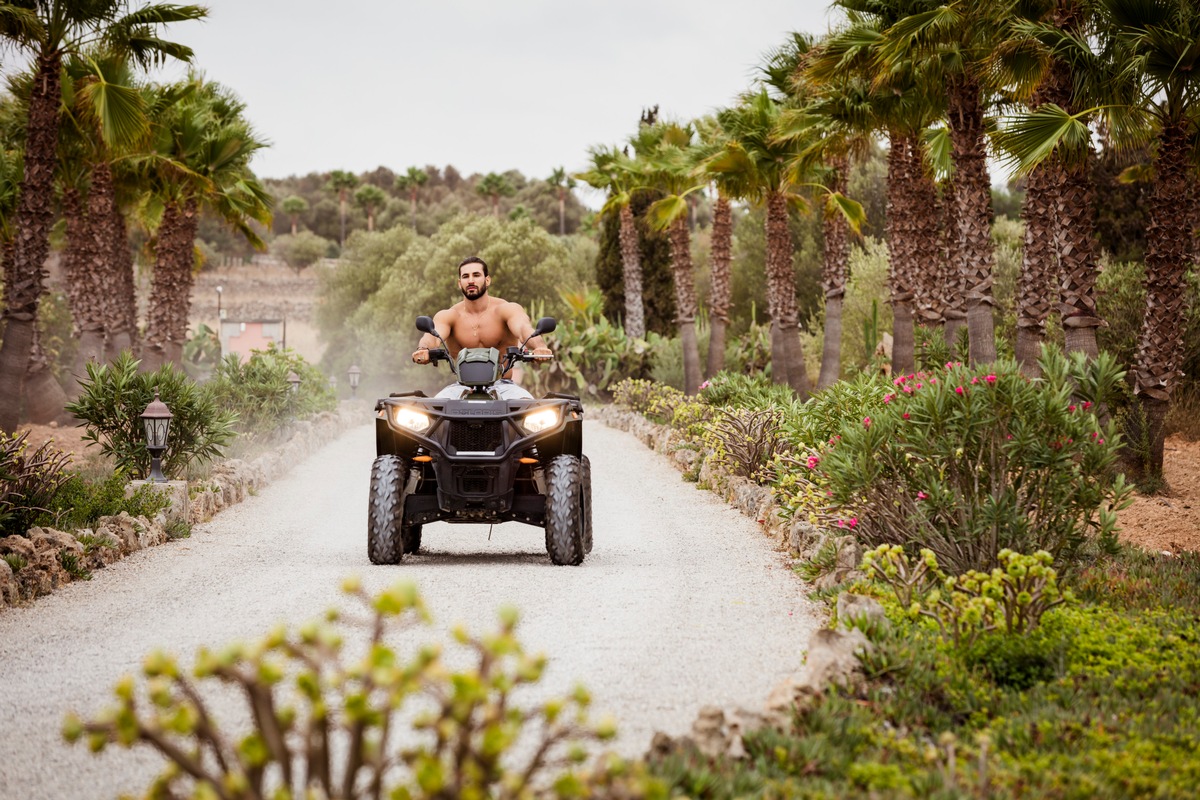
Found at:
(52, 558)
(832, 654)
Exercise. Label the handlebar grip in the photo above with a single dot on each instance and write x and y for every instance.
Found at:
(540, 357)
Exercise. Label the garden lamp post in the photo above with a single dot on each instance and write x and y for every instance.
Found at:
(294, 380)
(219, 315)
(355, 374)
(157, 420)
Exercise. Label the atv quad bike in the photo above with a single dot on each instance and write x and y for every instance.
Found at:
(470, 455)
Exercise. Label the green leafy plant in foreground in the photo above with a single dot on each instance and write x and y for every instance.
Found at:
(328, 724)
(111, 402)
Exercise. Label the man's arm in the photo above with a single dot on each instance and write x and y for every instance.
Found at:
(522, 328)
(443, 322)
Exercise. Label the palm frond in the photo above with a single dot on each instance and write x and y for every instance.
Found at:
(1033, 137)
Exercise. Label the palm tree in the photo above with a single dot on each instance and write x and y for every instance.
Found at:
(611, 171)
(666, 164)
(370, 197)
(901, 103)
(955, 43)
(411, 182)
(50, 30)
(563, 184)
(343, 183)
(294, 206)
(204, 145)
(493, 186)
(108, 119)
(1059, 208)
(712, 139)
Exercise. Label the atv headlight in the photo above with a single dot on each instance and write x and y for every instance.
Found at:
(410, 418)
(541, 420)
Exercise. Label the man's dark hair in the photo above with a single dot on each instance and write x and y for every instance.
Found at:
(473, 260)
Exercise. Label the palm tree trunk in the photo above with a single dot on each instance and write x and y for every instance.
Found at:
(901, 235)
(951, 297)
(631, 265)
(562, 214)
(974, 198)
(722, 285)
(25, 285)
(786, 350)
(45, 400)
(836, 256)
(170, 296)
(122, 314)
(1168, 255)
(342, 217)
(85, 293)
(685, 302)
(412, 207)
(1039, 263)
(1077, 255)
(293, 224)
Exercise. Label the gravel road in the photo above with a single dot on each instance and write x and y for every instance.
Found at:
(682, 603)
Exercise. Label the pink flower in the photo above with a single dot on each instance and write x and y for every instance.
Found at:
(974, 381)
(959, 390)
(1087, 404)
(1071, 408)
(921, 495)
(813, 461)
(866, 422)
(853, 521)
(841, 523)
(905, 415)
(932, 381)
(1099, 441)
(949, 365)
(887, 398)
(705, 385)
(918, 386)
(990, 379)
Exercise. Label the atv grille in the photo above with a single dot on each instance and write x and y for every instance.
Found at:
(475, 481)
(477, 437)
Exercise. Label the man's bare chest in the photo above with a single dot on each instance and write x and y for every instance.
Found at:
(481, 330)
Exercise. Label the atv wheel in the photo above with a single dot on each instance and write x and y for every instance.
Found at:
(587, 504)
(565, 508)
(386, 540)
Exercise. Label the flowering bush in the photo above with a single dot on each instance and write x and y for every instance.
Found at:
(968, 463)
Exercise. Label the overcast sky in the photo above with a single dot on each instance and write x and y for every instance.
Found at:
(483, 85)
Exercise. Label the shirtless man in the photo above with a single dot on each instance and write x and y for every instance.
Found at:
(480, 320)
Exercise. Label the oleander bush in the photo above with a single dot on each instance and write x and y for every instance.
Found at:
(111, 402)
(259, 393)
(968, 463)
(331, 723)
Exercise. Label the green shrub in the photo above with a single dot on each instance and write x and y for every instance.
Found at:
(591, 354)
(29, 482)
(750, 352)
(748, 441)
(750, 390)
(1011, 598)
(651, 399)
(1013, 662)
(80, 502)
(259, 393)
(326, 722)
(113, 398)
(970, 463)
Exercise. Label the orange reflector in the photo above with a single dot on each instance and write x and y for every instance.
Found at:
(528, 460)
(423, 459)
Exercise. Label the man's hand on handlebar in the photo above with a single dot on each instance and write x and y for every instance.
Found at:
(421, 356)
(542, 354)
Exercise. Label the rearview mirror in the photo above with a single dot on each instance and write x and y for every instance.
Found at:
(545, 325)
(425, 325)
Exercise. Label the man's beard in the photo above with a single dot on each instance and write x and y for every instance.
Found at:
(480, 291)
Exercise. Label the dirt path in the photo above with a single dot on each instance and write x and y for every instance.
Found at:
(683, 602)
